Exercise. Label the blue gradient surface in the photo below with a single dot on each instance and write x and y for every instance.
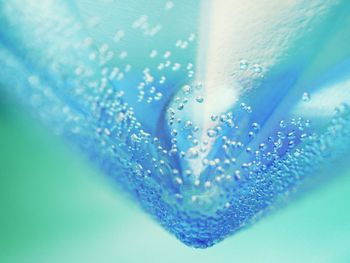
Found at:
(208, 114)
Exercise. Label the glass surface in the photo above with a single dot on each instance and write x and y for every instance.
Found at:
(208, 113)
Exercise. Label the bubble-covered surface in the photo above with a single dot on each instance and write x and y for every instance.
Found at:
(209, 114)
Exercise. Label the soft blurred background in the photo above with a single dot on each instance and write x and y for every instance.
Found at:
(56, 207)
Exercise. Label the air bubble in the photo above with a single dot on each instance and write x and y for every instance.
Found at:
(256, 126)
(181, 106)
(212, 133)
(257, 68)
(178, 180)
(262, 147)
(192, 153)
(306, 97)
(153, 53)
(134, 137)
(283, 124)
(167, 54)
(188, 125)
(119, 36)
(186, 89)
(199, 86)
(199, 99)
(191, 37)
(169, 5)
(243, 64)
(162, 80)
(176, 66)
(158, 96)
(214, 118)
(173, 133)
(123, 54)
(237, 175)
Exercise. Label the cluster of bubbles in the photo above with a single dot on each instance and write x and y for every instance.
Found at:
(227, 151)
(197, 173)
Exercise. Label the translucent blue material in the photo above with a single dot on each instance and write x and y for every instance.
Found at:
(209, 113)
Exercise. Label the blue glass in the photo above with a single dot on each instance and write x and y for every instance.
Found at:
(209, 113)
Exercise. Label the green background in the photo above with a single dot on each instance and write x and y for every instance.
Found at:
(56, 207)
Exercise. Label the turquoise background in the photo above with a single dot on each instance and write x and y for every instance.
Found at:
(56, 207)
